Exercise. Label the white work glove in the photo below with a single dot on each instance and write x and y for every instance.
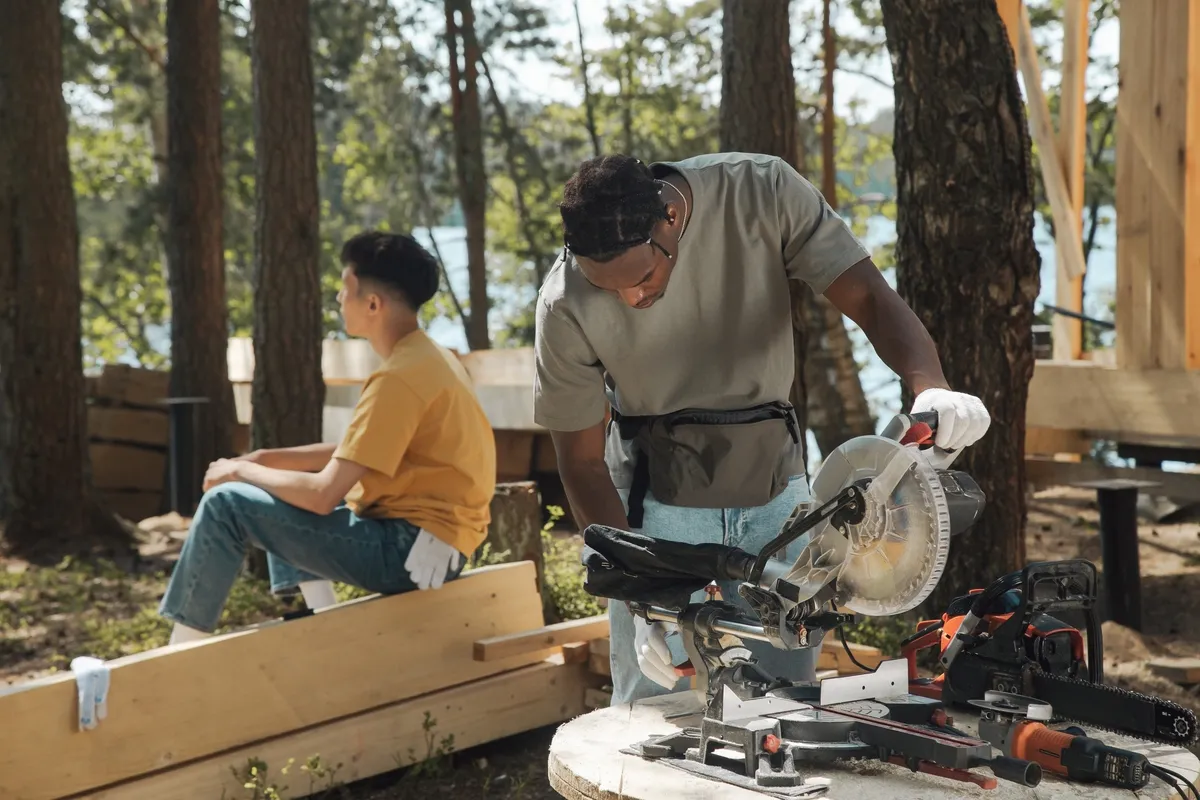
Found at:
(653, 655)
(91, 684)
(962, 418)
(429, 561)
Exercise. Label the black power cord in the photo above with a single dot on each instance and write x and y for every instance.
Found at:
(1174, 779)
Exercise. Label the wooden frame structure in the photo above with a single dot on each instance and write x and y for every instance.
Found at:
(1145, 392)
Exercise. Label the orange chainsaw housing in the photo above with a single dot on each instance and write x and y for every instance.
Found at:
(940, 632)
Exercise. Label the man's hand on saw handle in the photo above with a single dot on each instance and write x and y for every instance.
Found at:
(653, 655)
(962, 419)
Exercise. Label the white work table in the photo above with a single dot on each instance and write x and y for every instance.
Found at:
(585, 763)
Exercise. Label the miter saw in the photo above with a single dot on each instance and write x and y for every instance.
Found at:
(883, 513)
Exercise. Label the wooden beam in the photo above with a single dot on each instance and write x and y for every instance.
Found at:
(1041, 473)
(1113, 403)
(1053, 173)
(1010, 15)
(1191, 200)
(1158, 135)
(541, 639)
(381, 740)
(1072, 145)
(180, 703)
(1051, 441)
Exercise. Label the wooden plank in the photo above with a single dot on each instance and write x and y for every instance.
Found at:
(1049, 441)
(132, 386)
(379, 741)
(120, 466)
(1112, 403)
(1191, 199)
(1179, 670)
(1044, 473)
(1135, 109)
(1010, 15)
(542, 639)
(1053, 174)
(514, 455)
(1165, 159)
(136, 426)
(183, 702)
(597, 698)
(1072, 145)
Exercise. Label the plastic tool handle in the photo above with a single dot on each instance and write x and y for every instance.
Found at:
(1017, 770)
(1079, 758)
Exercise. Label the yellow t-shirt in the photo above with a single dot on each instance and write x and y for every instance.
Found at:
(419, 428)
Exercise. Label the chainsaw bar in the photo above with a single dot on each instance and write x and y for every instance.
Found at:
(1153, 719)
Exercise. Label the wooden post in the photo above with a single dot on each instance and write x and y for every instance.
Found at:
(1010, 15)
(1072, 145)
(1158, 188)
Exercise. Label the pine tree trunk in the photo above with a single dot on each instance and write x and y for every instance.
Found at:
(758, 115)
(468, 159)
(966, 260)
(199, 322)
(837, 406)
(289, 391)
(43, 429)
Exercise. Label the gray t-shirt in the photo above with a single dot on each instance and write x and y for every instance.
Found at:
(721, 335)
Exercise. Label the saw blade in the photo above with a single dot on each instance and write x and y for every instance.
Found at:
(1116, 710)
(891, 560)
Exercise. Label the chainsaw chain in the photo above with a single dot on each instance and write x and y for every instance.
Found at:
(1179, 714)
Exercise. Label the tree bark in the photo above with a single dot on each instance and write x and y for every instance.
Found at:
(758, 115)
(837, 406)
(195, 249)
(965, 254)
(468, 159)
(289, 390)
(43, 429)
(828, 116)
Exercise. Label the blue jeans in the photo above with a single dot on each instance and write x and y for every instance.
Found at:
(747, 528)
(301, 546)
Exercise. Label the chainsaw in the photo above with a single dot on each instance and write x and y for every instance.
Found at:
(1005, 638)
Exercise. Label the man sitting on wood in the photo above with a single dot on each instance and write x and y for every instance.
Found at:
(397, 505)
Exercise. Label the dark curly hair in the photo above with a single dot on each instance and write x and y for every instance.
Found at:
(608, 206)
(396, 261)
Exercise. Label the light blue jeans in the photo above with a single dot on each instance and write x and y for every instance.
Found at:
(301, 546)
(747, 528)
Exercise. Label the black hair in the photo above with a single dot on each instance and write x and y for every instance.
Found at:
(396, 261)
(609, 205)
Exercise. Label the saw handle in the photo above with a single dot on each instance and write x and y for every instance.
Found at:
(922, 428)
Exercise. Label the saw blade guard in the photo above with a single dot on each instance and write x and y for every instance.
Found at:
(890, 561)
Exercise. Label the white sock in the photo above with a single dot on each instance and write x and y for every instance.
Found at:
(318, 594)
(182, 633)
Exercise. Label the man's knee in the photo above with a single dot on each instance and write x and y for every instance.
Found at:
(226, 500)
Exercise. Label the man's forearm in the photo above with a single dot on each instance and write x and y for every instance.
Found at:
(902, 342)
(305, 458)
(592, 495)
(300, 488)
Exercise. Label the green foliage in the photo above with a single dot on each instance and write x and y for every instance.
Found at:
(564, 573)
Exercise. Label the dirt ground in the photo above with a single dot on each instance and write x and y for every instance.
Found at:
(47, 615)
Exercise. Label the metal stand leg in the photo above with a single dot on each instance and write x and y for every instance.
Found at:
(1117, 498)
(1119, 544)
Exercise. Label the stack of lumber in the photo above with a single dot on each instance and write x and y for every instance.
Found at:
(373, 685)
(128, 435)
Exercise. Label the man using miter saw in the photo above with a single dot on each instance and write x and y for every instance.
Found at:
(670, 305)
